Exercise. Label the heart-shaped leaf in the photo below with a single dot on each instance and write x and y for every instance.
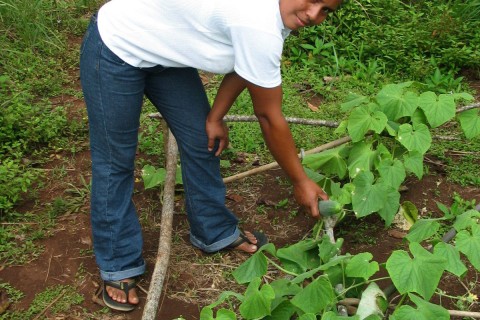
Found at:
(437, 109)
(420, 274)
(415, 138)
(470, 122)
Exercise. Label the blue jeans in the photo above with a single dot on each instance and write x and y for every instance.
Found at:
(114, 92)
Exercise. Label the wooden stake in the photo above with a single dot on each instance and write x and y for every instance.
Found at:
(165, 240)
(273, 165)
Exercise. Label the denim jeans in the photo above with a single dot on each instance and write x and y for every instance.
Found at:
(114, 93)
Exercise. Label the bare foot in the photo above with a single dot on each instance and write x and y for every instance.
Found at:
(248, 247)
(119, 296)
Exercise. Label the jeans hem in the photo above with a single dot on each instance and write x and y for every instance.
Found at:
(124, 274)
(216, 245)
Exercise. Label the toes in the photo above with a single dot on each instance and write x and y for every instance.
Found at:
(246, 247)
(250, 237)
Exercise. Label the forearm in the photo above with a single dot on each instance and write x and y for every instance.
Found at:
(230, 88)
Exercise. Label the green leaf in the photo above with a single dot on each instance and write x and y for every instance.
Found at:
(353, 100)
(257, 302)
(361, 158)
(253, 267)
(422, 229)
(327, 249)
(470, 123)
(300, 256)
(413, 162)
(329, 161)
(368, 197)
(469, 244)
(454, 263)
(361, 121)
(373, 302)
(395, 103)
(330, 315)
(419, 117)
(437, 109)
(315, 297)
(283, 311)
(415, 138)
(392, 172)
(425, 311)
(361, 267)
(313, 175)
(390, 208)
(308, 316)
(466, 220)
(420, 274)
(153, 177)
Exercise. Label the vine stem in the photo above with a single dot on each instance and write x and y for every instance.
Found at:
(280, 268)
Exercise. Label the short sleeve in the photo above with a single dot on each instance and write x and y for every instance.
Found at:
(257, 56)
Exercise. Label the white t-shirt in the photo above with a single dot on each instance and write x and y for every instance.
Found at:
(219, 36)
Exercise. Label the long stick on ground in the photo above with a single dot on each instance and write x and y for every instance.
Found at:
(273, 165)
(164, 244)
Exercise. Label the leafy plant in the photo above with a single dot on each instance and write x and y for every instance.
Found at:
(390, 136)
(317, 278)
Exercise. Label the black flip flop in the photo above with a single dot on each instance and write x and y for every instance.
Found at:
(125, 286)
(242, 238)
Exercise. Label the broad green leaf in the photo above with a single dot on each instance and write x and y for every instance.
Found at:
(368, 197)
(342, 127)
(282, 288)
(315, 297)
(420, 274)
(328, 161)
(470, 123)
(395, 102)
(361, 121)
(361, 158)
(425, 311)
(308, 316)
(413, 162)
(392, 128)
(361, 267)
(283, 311)
(313, 175)
(153, 177)
(390, 208)
(373, 302)
(392, 172)
(415, 138)
(353, 100)
(253, 267)
(300, 256)
(466, 220)
(257, 302)
(454, 263)
(437, 109)
(469, 244)
(419, 117)
(330, 315)
(422, 229)
(328, 250)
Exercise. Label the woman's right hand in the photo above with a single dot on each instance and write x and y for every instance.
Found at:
(217, 130)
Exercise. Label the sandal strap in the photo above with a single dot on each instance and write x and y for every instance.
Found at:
(242, 238)
(125, 286)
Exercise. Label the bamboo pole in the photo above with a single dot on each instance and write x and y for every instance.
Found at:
(273, 165)
(165, 240)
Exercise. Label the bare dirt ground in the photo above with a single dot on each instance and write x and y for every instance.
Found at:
(195, 279)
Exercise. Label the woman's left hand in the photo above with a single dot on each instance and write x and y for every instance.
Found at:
(217, 130)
